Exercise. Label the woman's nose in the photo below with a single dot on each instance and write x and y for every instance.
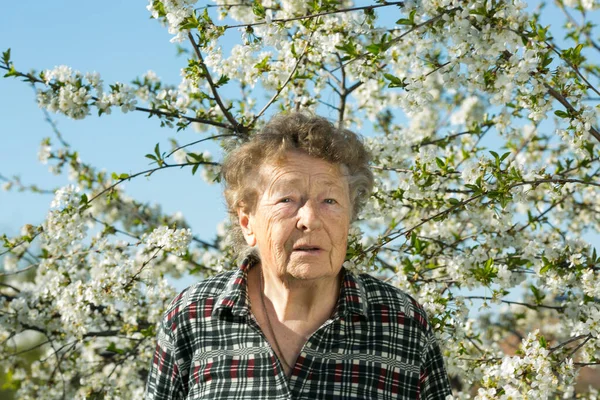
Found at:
(308, 217)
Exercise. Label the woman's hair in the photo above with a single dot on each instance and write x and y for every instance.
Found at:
(294, 131)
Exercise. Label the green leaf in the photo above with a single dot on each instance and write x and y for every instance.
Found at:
(349, 49)
(114, 349)
(545, 268)
(407, 21)
(413, 238)
(258, 9)
(543, 342)
(374, 48)
(11, 72)
(404, 21)
(453, 201)
(222, 80)
(6, 56)
(190, 22)
(394, 81)
(561, 114)
(109, 230)
(589, 146)
(148, 332)
(474, 188)
(157, 152)
(539, 296)
(263, 65)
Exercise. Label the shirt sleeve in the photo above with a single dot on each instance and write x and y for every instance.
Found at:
(434, 382)
(164, 379)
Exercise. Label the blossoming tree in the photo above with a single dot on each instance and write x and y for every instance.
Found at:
(428, 82)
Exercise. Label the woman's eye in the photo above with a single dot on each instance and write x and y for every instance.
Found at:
(330, 201)
(285, 200)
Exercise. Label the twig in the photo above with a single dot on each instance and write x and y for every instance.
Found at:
(578, 347)
(20, 243)
(10, 287)
(149, 172)
(563, 344)
(280, 89)
(531, 306)
(540, 216)
(237, 127)
(16, 181)
(200, 141)
(344, 93)
(562, 100)
(29, 349)
(554, 180)
(573, 67)
(461, 204)
(33, 79)
(154, 111)
(572, 20)
(426, 142)
(343, 10)
(399, 38)
(52, 124)
(397, 234)
(139, 271)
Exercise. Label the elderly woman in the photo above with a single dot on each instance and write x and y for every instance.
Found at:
(291, 322)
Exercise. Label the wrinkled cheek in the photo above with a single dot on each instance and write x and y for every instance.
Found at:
(276, 249)
(339, 244)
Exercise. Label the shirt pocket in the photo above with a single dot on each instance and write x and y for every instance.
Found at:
(366, 376)
(222, 374)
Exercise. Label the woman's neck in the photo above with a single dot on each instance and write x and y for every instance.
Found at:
(311, 301)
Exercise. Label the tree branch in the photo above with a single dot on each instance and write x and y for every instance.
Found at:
(343, 10)
(587, 35)
(199, 141)
(236, 126)
(280, 89)
(531, 306)
(149, 172)
(563, 344)
(562, 100)
(399, 38)
(33, 79)
(154, 111)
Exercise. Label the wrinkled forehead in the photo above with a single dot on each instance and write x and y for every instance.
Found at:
(295, 168)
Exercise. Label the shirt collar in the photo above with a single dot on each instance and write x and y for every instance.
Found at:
(353, 298)
(234, 298)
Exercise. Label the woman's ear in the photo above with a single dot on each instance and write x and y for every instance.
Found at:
(245, 221)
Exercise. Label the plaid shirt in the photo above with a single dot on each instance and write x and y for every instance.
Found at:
(376, 345)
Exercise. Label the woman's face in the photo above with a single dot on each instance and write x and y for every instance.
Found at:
(301, 219)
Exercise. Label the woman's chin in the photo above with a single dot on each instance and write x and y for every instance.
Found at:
(308, 271)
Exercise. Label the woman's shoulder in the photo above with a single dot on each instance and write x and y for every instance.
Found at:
(207, 288)
(383, 294)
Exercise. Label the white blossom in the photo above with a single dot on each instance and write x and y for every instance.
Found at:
(174, 240)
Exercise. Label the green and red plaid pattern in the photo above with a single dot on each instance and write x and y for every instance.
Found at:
(377, 345)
